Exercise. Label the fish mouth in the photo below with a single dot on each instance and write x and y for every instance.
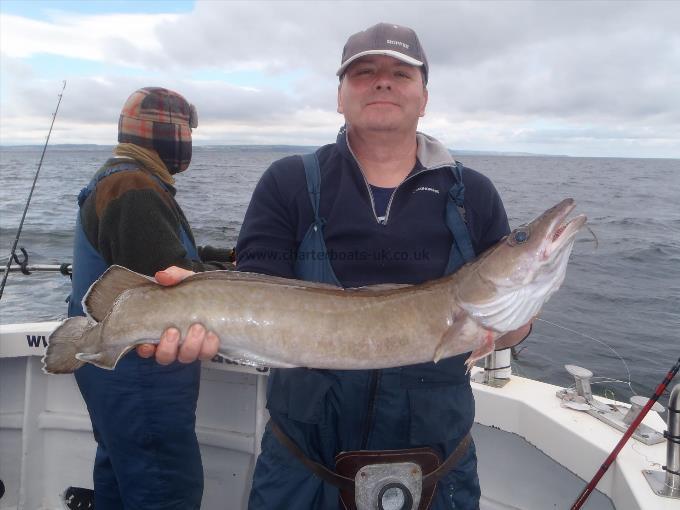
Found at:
(564, 230)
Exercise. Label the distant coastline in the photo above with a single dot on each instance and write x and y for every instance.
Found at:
(294, 149)
(277, 147)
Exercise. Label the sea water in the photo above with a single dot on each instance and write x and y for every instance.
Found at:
(620, 301)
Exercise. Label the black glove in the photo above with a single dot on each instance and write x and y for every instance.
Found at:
(212, 254)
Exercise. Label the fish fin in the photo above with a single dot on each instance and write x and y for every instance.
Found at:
(73, 336)
(482, 351)
(107, 358)
(445, 347)
(83, 356)
(381, 287)
(242, 276)
(103, 293)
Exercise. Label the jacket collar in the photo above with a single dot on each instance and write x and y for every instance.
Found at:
(430, 153)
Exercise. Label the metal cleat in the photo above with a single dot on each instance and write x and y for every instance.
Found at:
(620, 417)
(582, 378)
(637, 403)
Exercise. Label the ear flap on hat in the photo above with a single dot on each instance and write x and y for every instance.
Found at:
(193, 117)
(172, 142)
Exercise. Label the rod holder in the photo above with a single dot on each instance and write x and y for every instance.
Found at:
(668, 484)
(497, 370)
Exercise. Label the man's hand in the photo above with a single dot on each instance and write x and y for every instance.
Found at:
(198, 344)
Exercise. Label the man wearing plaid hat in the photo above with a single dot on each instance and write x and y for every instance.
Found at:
(143, 413)
(389, 192)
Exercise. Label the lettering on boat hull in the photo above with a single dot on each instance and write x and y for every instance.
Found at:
(36, 341)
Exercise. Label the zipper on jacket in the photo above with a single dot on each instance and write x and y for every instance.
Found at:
(363, 175)
(370, 414)
(368, 186)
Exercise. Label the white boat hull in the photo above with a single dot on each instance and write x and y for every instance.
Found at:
(533, 454)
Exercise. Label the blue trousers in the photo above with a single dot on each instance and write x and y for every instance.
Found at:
(321, 411)
(282, 482)
(143, 417)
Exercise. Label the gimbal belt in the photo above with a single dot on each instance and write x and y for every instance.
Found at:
(382, 479)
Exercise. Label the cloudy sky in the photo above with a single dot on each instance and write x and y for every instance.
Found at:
(575, 78)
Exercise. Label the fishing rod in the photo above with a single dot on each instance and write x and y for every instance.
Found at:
(580, 501)
(12, 255)
(64, 268)
(22, 266)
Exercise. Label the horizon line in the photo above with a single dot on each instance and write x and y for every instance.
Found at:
(463, 152)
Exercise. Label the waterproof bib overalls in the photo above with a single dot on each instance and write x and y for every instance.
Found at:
(142, 413)
(328, 411)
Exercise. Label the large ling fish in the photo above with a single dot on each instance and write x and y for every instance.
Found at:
(279, 322)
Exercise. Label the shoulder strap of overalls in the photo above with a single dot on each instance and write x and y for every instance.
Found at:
(313, 175)
(125, 166)
(313, 263)
(461, 250)
(113, 169)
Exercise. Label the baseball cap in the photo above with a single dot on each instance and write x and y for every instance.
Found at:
(385, 39)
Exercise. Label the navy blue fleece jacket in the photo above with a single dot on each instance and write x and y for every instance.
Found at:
(412, 245)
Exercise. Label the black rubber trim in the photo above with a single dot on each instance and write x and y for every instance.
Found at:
(671, 472)
(497, 368)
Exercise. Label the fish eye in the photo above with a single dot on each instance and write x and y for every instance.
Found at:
(518, 236)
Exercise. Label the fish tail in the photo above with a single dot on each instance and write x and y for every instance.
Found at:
(74, 336)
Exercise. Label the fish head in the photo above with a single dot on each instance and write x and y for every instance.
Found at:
(509, 284)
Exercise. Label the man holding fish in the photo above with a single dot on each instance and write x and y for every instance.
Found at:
(384, 192)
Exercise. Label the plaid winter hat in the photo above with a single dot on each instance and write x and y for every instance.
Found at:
(161, 120)
(385, 39)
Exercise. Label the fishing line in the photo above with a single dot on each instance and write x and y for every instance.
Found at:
(12, 254)
(606, 393)
(608, 380)
(597, 243)
(652, 463)
(598, 341)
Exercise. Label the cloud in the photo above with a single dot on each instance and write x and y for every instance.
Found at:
(503, 74)
(115, 39)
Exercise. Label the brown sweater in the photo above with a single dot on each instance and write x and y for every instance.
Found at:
(134, 222)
